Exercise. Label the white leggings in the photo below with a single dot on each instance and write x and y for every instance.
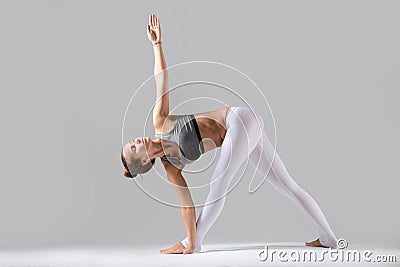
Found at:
(245, 138)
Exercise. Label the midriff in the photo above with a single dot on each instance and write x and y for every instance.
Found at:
(212, 127)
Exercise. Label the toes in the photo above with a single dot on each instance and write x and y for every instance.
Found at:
(172, 250)
(166, 250)
(178, 248)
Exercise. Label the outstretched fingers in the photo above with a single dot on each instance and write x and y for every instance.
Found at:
(154, 22)
(176, 249)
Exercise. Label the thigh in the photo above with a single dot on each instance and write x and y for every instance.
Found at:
(242, 136)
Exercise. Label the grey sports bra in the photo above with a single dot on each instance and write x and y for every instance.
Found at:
(186, 136)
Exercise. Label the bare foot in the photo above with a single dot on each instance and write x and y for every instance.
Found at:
(175, 249)
(315, 243)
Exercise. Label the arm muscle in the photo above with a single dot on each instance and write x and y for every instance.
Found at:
(161, 108)
(188, 211)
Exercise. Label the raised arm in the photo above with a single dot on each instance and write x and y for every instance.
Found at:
(161, 108)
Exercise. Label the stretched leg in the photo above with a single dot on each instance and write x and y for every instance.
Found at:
(243, 133)
(280, 179)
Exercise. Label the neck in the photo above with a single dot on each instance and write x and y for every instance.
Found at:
(155, 149)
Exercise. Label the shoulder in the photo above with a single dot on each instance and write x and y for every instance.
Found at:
(164, 124)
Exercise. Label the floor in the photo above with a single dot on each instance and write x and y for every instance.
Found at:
(224, 255)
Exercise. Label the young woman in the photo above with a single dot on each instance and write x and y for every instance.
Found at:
(181, 139)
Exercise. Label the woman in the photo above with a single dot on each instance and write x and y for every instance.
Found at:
(181, 139)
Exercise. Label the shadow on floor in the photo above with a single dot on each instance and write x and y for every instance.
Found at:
(253, 247)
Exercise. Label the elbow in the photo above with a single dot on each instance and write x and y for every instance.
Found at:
(161, 74)
(161, 79)
(188, 209)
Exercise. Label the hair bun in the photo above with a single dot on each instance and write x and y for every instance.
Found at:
(128, 174)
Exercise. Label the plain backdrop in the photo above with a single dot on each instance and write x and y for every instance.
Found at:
(330, 72)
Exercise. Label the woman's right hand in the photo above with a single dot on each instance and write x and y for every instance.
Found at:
(154, 29)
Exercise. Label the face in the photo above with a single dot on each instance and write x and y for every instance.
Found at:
(137, 149)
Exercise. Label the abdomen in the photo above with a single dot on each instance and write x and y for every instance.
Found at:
(212, 127)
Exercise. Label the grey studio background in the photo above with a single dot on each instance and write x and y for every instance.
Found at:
(329, 69)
